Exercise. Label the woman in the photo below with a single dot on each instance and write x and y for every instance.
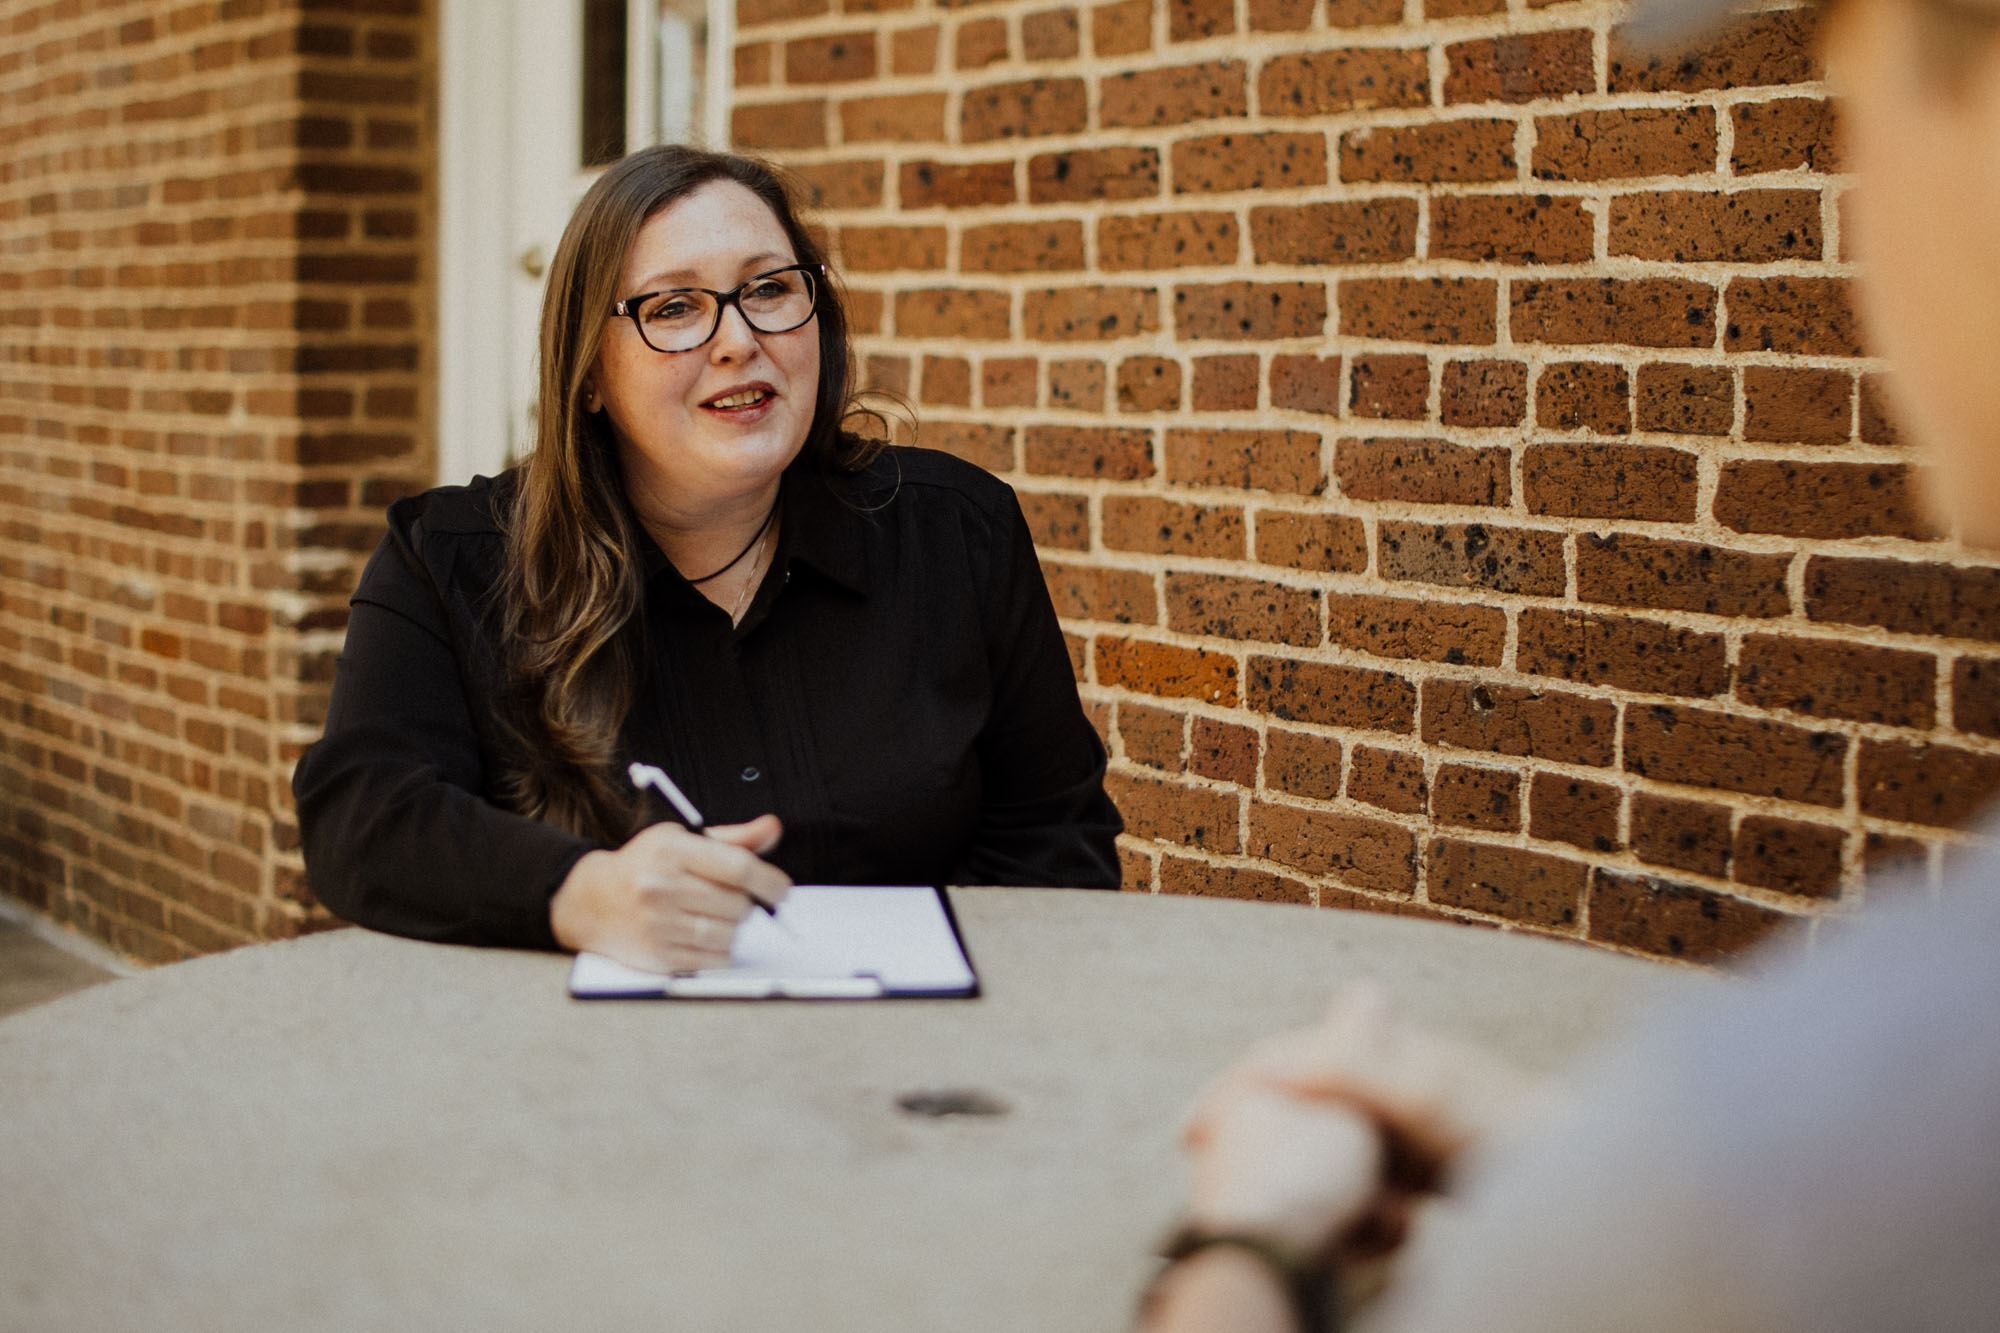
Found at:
(845, 655)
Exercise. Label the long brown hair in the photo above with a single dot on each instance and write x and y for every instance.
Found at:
(573, 580)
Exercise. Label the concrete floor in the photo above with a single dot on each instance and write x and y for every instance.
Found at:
(38, 964)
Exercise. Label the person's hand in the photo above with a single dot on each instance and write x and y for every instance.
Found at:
(669, 900)
(1267, 1136)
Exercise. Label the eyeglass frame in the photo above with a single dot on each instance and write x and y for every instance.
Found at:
(815, 277)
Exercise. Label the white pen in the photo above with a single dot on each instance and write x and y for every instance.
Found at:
(646, 775)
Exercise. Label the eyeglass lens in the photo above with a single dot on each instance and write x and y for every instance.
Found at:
(771, 303)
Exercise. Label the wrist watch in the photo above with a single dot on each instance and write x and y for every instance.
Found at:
(1311, 1284)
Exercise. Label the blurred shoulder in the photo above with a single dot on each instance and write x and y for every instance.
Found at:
(937, 479)
(449, 514)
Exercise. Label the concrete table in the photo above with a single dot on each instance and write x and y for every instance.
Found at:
(353, 1132)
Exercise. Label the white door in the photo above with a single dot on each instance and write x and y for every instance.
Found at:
(536, 96)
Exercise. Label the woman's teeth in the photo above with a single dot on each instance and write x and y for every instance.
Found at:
(744, 399)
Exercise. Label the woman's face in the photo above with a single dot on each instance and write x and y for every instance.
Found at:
(1926, 223)
(707, 432)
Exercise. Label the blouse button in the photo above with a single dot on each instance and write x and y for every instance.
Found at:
(751, 773)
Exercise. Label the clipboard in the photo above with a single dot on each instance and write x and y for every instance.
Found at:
(827, 942)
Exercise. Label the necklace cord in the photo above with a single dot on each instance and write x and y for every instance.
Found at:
(737, 559)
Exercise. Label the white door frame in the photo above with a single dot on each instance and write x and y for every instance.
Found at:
(507, 133)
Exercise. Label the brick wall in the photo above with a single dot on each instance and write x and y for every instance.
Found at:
(214, 306)
(1447, 435)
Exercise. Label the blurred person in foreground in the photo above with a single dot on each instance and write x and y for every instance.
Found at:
(1817, 1151)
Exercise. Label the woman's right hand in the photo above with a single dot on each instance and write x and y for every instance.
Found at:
(669, 900)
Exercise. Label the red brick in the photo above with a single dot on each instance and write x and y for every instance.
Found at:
(1391, 779)
(1584, 395)
(1089, 174)
(1056, 518)
(927, 184)
(1307, 383)
(753, 12)
(1784, 134)
(1807, 316)
(1229, 383)
(1430, 310)
(1504, 719)
(1169, 811)
(902, 118)
(990, 447)
(1512, 229)
(1218, 163)
(1628, 570)
(1483, 393)
(1266, 460)
(1009, 381)
(1577, 811)
(1695, 226)
(1179, 874)
(1225, 751)
(1674, 920)
(1975, 695)
(796, 124)
(1925, 784)
(1281, 15)
(1089, 451)
(1223, 606)
(946, 312)
(1472, 555)
(1368, 853)
(980, 42)
(1302, 763)
(1529, 887)
(1877, 413)
(1094, 592)
(1334, 543)
(1686, 400)
(1642, 312)
(841, 185)
(914, 50)
(1756, 756)
(1155, 737)
(1363, 79)
(1473, 796)
(1822, 499)
(1331, 695)
(1077, 385)
(1630, 141)
(753, 64)
(888, 249)
(1642, 481)
(1789, 856)
(1174, 96)
(1148, 384)
(1426, 630)
(1370, 231)
(1072, 314)
(1362, 13)
(1024, 109)
(1165, 671)
(1421, 471)
(1687, 835)
(1829, 678)
(1442, 152)
(1250, 311)
(1797, 406)
(1193, 20)
(1051, 34)
(1525, 67)
(1167, 240)
(1754, 51)
(1390, 387)
(1626, 651)
(1122, 29)
(838, 58)
(1021, 247)
(1905, 596)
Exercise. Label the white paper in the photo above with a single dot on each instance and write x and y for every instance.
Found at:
(827, 941)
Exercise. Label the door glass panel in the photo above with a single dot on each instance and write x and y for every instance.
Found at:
(604, 57)
(683, 69)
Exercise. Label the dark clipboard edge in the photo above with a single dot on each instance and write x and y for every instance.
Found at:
(972, 992)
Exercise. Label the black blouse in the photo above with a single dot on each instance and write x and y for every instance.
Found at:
(898, 693)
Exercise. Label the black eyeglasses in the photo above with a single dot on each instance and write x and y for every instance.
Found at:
(685, 318)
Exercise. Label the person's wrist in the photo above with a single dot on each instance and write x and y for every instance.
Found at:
(569, 907)
(1307, 1277)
